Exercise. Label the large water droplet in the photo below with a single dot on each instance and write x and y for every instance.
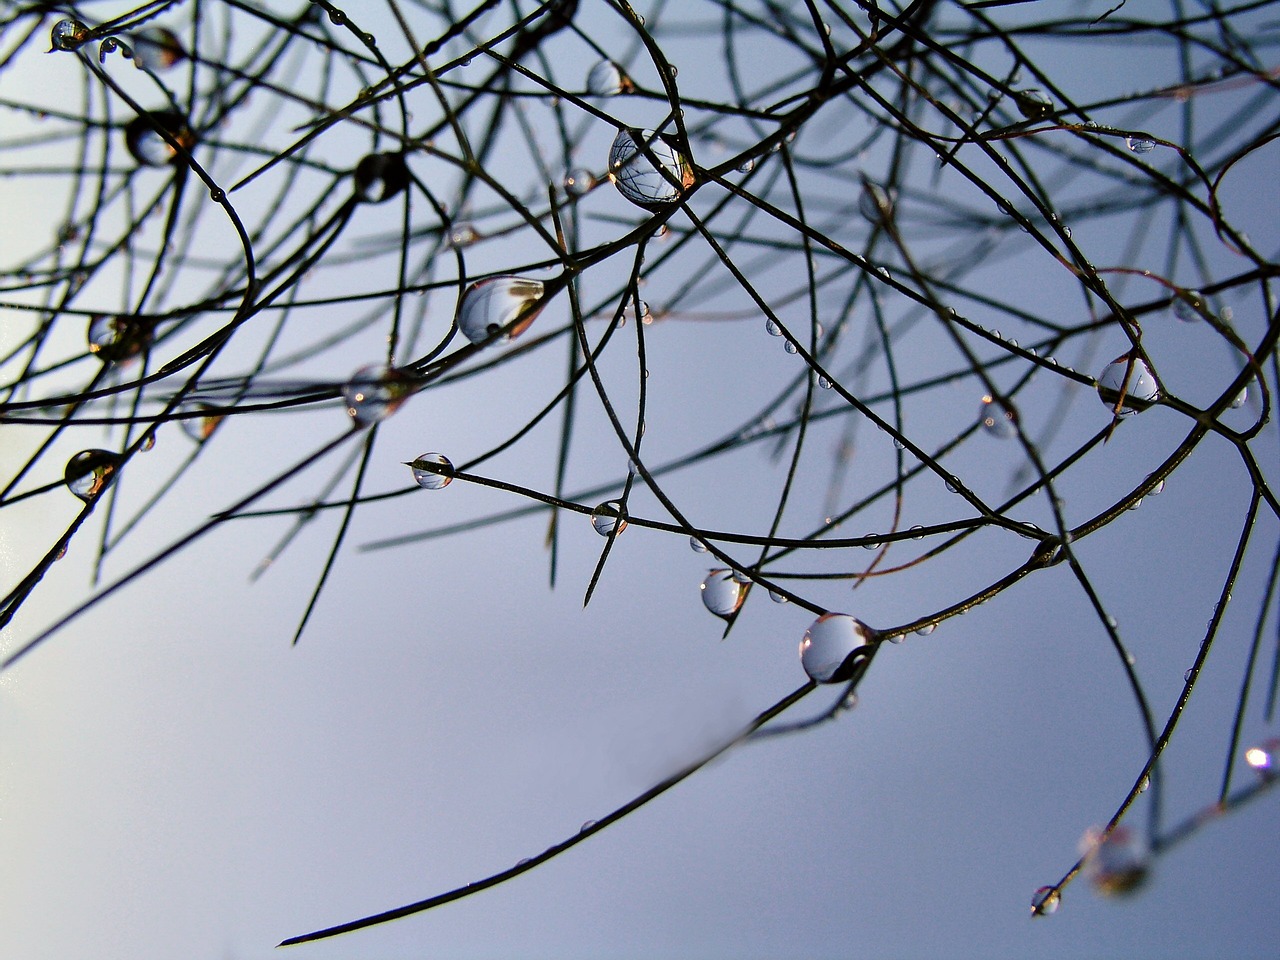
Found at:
(998, 418)
(721, 594)
(499, 305)
(201, 428)
(145, 143)
(833, 646)
(89, 472)
(157, 48)
(607, 79)
(1034, 104)
(772, 328)
(113, 339)
(379, 177)
(1045, 901)
(608, 517)
(578, 181)
(432, 471)
(1139, 144)
(1116, 865)
(637, 177)
(1128, 382)
(374, 393)
(68, 35)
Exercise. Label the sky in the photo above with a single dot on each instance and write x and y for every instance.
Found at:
(177, 777)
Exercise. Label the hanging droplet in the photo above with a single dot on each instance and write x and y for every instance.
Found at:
(1188, 306)
(578, 181)
(587, 825)
(629, 311)
(145, 143)
(432, 471)
(636, 176)
(463, 235)
(791, 347)
(772, 327)
(697, 546)
(201, 428)
(148, 442)
(68, 35)
(114, 339)
(374, 393)
(1117, 864)
(1139, 144)
(917, 532)
(110, 45)
(1188, 674)
(1034, 104)
(927, 629)
(89, 472)
(609, 517)
(998, 418)
(1045, 901)
(1264, 758)
(778, 597)
(607, 79)
(824, 383)
(499, 306)
(157, 48)
(833, 646)
(1128, 381)
(1240, 398)
(721, 594)
(380, 176)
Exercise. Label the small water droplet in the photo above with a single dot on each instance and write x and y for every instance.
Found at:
(499, 305)
(790, 346)
(998, 418)
(90, 472)
(1117, 864)
(1045, 901)
(432, 471)
(636, 176)
(747, 165)
(587, 825)
(524, 861)
(373, 393)
(1156, 490)
(1128, 381)
(927, 629)
(824, 383)
(871, 543)
(721, 594)
(68, 34)
(1111, 621)
(772, 327)
(148, 442)
(578, 181)
(608, 517)
(201, 428)
(1188, 306)
(147, 146)
(1033, 104)
(1144, 784)
(1139, 144)
(697, 546)
(380, 176)
(741, 576)
(777, 597)
(1240, 398)
(833, 646)
(463, 235)
(917, 532)
(607, 79)
(951, 486)
(114, 339)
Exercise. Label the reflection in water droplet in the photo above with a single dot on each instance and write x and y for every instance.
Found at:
(917, 532)
(609, 516)
(578, 181)
(1116, 865)
(607, 79)
(156, 48)
(1129, 382)
(998, 418)
(201, 428)
(145, 143)
(833, 646)
(1139, 144)
(772, 328)
(1045, 901)
(721, 594)
(379, 177)
(432, 471)
(499, 305)
(777, 597)
(636, 176)
(1033, 104)
(927, 629)
(374, 393)
(697, 546)
(790, 347)
(68, 35)
(113, 339)
(89, 472)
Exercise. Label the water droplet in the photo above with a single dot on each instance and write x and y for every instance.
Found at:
(524, 861)
(432, 471)
(1139, 144)
(379, 177)
(1240, 398)
(110, 45)
(772, 327)
(721, 594)
(1144, 784)
(697, 546)
(1188, 306)
(68, 35)
(463, 235)
(927, 629)
(917, 532)
(637, 178)
(1111, 621)
(1156, 490)
(747, 165)
(145, 143)
(1264, 757)
(373, 393)
(113, 339)
(871, 543)
(629, 311)
(607, 79)
(790, 346)
(824, 383)
(1045, 901)
(499, 305)
(998, 418)
(833, 646)
(200, 428)
(777, 597)
(1117, 864)
(951, 486)
(89, 472)
(586, 825)
(148, 442)
(742, 577)
(608, 517)
(578, 181)
(848, 702)
(1128, 381)
(1034, 104)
